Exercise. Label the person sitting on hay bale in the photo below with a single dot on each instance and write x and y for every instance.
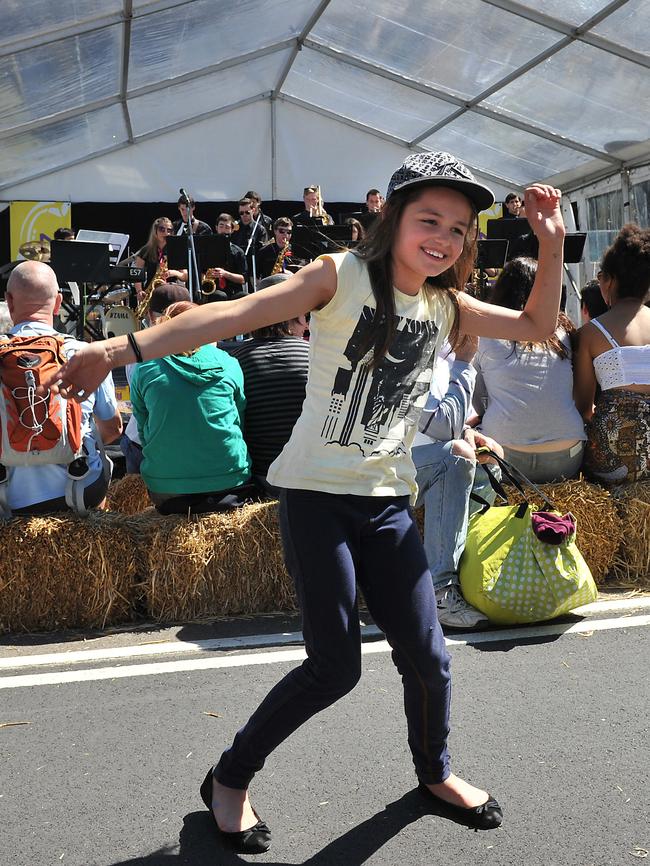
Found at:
(189, 409)
(162, 297)
(524, 390)
(275, 364)
(614, 352)
(34, 300)
(447, 473)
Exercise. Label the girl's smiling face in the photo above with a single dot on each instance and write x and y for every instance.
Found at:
(430, 237)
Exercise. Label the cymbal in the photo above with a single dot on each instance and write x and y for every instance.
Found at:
(35, 251)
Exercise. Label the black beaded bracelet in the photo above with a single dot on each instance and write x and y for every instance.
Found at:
(136, 349)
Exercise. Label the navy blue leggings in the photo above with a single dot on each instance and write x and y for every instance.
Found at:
(331, 543)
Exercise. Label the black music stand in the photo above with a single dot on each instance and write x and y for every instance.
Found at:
(212, 251)
(80, 262)
(491, 253)
(507, 229)
(309, 242)
(368, 219)
(528, 245)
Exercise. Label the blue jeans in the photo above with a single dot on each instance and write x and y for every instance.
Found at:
(331, 542)
(132, 453)
(544, 467)
(445, 482)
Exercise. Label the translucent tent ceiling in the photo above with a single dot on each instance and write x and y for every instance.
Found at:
(520, 90)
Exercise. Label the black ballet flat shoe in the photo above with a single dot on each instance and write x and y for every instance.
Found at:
(488, 816)
(255, 840)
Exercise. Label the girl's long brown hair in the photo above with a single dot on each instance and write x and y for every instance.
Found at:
(377, 251)
(512, 288)
(149, 251)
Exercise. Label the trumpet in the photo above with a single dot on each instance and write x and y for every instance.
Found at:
(319, 211)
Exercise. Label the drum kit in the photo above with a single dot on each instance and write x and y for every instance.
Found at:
(108, 312)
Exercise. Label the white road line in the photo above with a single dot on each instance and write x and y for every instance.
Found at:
(244, 642)
(156, 669)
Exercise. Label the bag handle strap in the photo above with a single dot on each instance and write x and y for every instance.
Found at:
(517, 478)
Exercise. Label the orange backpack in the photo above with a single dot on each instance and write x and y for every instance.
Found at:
(35, 430)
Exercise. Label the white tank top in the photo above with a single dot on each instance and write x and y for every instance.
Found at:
(621, 365)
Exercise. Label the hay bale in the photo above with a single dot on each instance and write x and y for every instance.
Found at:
(225, 563)
(65, 571)
(599, 526)
(128, 495)
(631, 566)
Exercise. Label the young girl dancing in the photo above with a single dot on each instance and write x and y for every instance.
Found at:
(378, 317)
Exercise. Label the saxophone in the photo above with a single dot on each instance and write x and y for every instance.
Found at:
(209, 282)
(158, 279)
(278, 267)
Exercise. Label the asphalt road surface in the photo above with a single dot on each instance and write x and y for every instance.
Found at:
(102, 755)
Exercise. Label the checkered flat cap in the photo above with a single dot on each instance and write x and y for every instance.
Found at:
(440, 169)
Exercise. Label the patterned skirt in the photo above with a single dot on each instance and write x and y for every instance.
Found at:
(618, 438)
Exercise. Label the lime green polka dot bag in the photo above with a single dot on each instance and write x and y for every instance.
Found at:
(510, 574)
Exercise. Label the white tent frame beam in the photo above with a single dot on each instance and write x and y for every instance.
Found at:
(309, 26)
(124, 79)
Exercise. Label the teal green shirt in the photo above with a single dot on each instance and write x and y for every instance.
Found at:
(189, 411)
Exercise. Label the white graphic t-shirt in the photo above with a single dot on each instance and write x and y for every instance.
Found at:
(357, 423)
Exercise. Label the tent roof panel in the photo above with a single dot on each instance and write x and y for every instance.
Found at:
(187, 38)
(206, 94)
(584, 93)
(438, 43)
(32, 18)
(493, 147)
(27, 153)
(359, 95)
(71, 73)
(628, 26)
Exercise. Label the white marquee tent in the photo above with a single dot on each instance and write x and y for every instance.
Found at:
(126, 100)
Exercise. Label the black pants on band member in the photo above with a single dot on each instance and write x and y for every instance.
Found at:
(331, 543)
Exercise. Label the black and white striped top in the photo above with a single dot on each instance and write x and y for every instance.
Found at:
(275, 376)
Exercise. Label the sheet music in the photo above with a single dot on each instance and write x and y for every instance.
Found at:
(117, 242)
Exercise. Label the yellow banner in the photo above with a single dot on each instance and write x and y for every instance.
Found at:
(495, 212)
(36, 221)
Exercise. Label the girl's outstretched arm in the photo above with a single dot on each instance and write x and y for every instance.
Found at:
(538, 319)
(309, 289)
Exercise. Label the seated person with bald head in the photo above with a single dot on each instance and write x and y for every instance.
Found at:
(33, 299)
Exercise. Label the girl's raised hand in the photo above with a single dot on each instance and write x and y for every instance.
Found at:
(543, 212)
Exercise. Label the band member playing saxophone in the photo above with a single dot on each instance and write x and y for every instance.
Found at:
(229, 281)
(153, 257)
(273, 257)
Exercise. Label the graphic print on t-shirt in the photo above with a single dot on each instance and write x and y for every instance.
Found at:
(374, 409)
